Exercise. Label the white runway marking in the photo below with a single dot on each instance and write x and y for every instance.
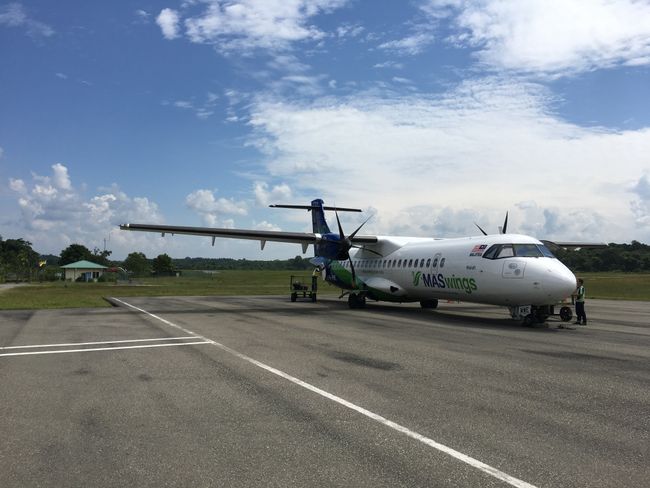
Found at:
(95, 343)
(475, 463)
(90, 349)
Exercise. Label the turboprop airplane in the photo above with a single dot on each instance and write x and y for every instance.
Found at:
(516, 271)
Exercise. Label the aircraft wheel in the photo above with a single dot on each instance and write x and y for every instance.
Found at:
(356, 301)
(429, 303)
(294, 296)
(566, 313)
(529, 320)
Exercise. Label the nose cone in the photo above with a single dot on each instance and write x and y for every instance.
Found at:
(560, 282)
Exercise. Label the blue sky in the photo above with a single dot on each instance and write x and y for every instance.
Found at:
(429, 114)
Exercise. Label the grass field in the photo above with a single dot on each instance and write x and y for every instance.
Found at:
(623, 286)
(73, 295)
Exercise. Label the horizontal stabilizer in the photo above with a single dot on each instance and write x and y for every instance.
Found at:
(311, 207)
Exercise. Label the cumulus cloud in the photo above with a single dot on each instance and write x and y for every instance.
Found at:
(54, 214)
(251, 24)
(168, 20)
(553, 37)
(211, 208)
(264, 196)
(486, 144)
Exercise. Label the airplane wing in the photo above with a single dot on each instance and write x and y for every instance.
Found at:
(573, 245)
(303, 238)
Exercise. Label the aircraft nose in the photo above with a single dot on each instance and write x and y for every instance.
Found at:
(561, 281)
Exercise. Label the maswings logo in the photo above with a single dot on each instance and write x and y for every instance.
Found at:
(416, 278)
(468, 285)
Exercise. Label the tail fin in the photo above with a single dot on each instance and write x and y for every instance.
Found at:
(318, 222)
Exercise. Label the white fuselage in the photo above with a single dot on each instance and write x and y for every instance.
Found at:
(415, 269)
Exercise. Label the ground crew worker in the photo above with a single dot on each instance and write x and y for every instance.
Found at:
(581, 317)
(314, 279)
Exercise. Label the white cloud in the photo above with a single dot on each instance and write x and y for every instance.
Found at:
(2, 151)
(641, 206)
(14, 15)
(278, 194)
(487, 144)
(553, 37)
(250, 24)
(410, 45)
(168, 20)
(60, 177)
(55, 214)
(210, 208)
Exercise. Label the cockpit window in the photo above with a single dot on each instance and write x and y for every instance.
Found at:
(506, 251)
(527, 250)
(499, 251)
(546, 251)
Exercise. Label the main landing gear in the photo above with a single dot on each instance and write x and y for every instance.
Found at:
(356, 300)
(429, 303)
(531, 315)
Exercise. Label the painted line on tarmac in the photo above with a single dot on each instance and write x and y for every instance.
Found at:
(34, 346)
(93, 349)
(475, 463)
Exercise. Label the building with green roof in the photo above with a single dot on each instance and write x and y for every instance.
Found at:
(89, 271)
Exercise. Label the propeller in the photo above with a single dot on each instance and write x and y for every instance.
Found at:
(502, 229)
(345, 244)
(479, 228)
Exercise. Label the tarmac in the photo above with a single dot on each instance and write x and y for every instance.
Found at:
(262, 392)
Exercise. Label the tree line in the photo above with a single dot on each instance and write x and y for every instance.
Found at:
(18, 261)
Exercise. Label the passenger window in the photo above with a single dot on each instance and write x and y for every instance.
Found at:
(428, 262)
(410, 263)
(442, 262)
(435, 263)
(399, 263)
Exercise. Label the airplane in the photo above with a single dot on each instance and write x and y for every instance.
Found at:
(511, 270)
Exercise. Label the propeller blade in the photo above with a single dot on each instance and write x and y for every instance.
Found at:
(479, 228)
(340, 228)
(505, 225)
(354, 275)
(358, 228)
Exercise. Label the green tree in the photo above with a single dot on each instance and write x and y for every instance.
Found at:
(101, 257)
(137, 264)
(17, 258)
(74, 253)
(162, 265)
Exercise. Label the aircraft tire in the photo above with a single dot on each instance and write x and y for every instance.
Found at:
(529, 320)
(429, 303)
(356, 301)
(566, 314)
